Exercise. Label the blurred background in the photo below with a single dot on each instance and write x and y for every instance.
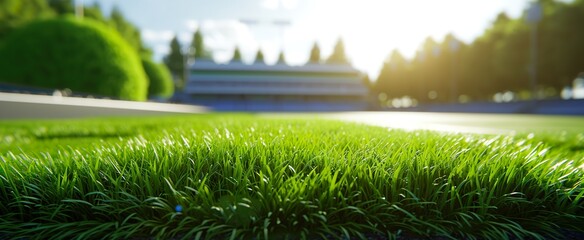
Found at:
(299, 55)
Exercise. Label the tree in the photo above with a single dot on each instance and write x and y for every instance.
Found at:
(126, 29)
(259, 56)
(367, 81)
(511, 57)
(236, 55)
(160, 81)
(198, 50)
(391, 80)
(94, 12)
(175, 60)
(477, 71)
(561, 37)
(479, 75)
(105, 66)
(314, 54)
(498, 60)
(426, 84)
(281, 58)
(62, 7)
(338, 56)
(439, 69)
(16, 13)
(450, 67)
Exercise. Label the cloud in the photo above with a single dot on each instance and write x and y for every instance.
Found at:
(270, 4)
(221, 37)
(150, 35)
(276, 4)
(289, 4)
(192, 25)
(185, 37)
(161, 49)
(271, 50)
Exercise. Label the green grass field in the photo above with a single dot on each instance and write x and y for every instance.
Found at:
(241, 176)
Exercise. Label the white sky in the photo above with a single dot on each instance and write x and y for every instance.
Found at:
(371, 29)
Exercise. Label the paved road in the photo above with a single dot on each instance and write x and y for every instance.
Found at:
(19, 106)
(465, 122)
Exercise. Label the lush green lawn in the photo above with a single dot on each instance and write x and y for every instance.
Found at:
(242, 176)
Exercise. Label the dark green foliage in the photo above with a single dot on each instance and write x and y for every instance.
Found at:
(512, 51)
(82, 55)
(198, 49)
(127, 30)
(94, 12)
(259, 56)
(236, 54)
(281, 58)
(160, 81)
(497, 61)
(61, 7)
(175, 59)
(563, 41)
(314, 54)
(116, 20)
(478, 71)
(15, 13)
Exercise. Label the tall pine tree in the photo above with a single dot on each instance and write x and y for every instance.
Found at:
(175, 60)
(281, 58)
(391, 79)
(314, 54)
(198, 50)
(259, 56)
(126, 29)
(338, 56)
(62, 6)
(236, 55)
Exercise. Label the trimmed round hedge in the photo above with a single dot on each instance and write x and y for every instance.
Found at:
(82, 55)
(160, 80)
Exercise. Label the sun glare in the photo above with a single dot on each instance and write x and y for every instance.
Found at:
(378, 27)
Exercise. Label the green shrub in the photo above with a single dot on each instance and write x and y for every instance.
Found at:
(160, 85)
(82, 55)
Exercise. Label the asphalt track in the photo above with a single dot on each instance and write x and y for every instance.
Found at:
(23, 106)
(28, 106)
(457, 122)
(466, 122)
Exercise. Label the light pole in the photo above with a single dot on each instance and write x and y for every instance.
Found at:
(534, 15)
